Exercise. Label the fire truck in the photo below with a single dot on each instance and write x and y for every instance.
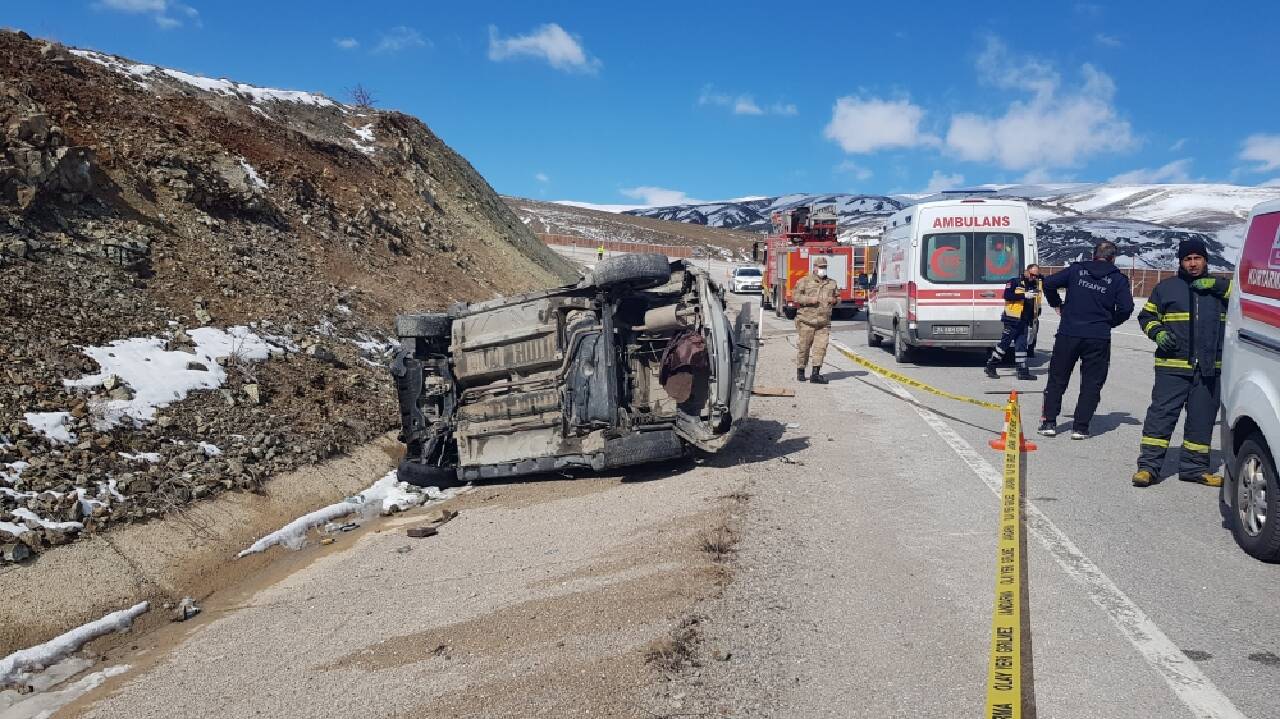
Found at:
(798, 235)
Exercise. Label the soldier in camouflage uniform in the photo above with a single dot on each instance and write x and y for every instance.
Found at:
(816, 295)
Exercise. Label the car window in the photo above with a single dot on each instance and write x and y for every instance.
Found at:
(748, 272)
(999, 256)
(946, 258)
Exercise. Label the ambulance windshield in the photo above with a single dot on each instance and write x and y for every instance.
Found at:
(971, 257)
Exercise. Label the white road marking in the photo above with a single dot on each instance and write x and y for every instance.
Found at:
(1188, 683)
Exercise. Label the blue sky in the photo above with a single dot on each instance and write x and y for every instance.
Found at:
(662, 101)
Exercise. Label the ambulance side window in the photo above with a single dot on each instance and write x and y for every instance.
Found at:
(999, 256)
(946, 258)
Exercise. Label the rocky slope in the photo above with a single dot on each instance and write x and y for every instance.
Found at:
(1147, 221)
(199, 276)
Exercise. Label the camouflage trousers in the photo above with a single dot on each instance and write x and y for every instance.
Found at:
(813, 340)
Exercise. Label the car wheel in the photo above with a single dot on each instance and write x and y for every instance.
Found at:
(1256, 501)
(426, 324)
(901, 350)
(640, 270)
(873, 339)
(426, 475)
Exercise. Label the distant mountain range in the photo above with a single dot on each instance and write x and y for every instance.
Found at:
(1146, 221)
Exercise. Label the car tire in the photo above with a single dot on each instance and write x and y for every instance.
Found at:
(426, 324)
(901, 350)
(426, 475)
(1256, 528)
(639, 271)
(873, 339)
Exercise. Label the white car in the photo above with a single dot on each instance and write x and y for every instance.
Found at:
(746, 279)
(1251, 389)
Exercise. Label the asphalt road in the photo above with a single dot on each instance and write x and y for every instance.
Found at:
(1141, 602)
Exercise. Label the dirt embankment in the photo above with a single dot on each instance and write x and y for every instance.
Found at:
(142, 202)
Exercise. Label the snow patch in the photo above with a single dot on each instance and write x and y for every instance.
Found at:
(52, 425)
(210, 450)
(365, 140)
(44, 704)
(385, 495)
(160, 377)
(28, 515)
(254, 178)
(18, 666)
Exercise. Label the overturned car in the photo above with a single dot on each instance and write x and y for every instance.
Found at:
(637, 362)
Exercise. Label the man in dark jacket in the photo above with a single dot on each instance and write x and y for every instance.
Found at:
(1185, 317)
(1020, 301)
(1098, 300)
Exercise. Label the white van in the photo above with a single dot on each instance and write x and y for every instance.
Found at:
(942, 270)
(1251, 388)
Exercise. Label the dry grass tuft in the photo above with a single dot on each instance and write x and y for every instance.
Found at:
(677, 650)
(720, 543)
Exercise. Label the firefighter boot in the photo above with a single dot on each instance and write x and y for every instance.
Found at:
(1208, 479)
(816, 376)
(1142, 478)
(990, 370)
(1025, 374)
(800, 375)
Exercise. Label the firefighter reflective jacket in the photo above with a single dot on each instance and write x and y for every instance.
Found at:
(1195, 318)
(1017, 307)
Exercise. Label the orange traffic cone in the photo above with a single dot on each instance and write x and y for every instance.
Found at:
(1002, 443)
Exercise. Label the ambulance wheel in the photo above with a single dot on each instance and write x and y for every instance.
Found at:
(1255, 501)
(901, 350)
(873, 339)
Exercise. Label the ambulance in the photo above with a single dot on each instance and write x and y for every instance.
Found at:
(942, 270)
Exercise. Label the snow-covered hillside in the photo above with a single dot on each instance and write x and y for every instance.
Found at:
(1147, 221)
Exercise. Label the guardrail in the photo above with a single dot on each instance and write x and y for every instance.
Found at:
(1141, 280)
(615, 246)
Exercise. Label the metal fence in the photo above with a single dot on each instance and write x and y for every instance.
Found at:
(1142, 280)
(614, 246)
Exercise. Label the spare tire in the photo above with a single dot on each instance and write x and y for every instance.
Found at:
(427, 324)
(639, 271)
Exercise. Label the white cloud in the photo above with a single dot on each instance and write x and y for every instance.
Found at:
(866, 125)
(1178, 145)
(1053, 128)
(743, 104)
(1175, 171)
(549, 42)
(399, 38)
(858, 171)
(166, 13)
(940, 181)
(1262, 149)
(1108, 40)
(1273, 182)
(542, 177)
(659, 196)
(346, 43)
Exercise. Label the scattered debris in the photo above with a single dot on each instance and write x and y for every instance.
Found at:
(787, 460)
(423, 531)
(185, 610)
(759, 391)
(327, 540)
(793, 425)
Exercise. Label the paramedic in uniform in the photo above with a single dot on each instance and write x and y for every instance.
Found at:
(815, 295)
(1021, 298)
(1184, 317)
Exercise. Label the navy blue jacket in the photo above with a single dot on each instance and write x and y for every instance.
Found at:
(1098, 298)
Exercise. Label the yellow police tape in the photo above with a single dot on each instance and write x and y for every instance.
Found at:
(903, 379)
(1004, 667)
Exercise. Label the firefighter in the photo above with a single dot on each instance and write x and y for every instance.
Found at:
(1098, 301)
(815, 295)
(1022, 299)
(600, 253)
(1184, 317)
